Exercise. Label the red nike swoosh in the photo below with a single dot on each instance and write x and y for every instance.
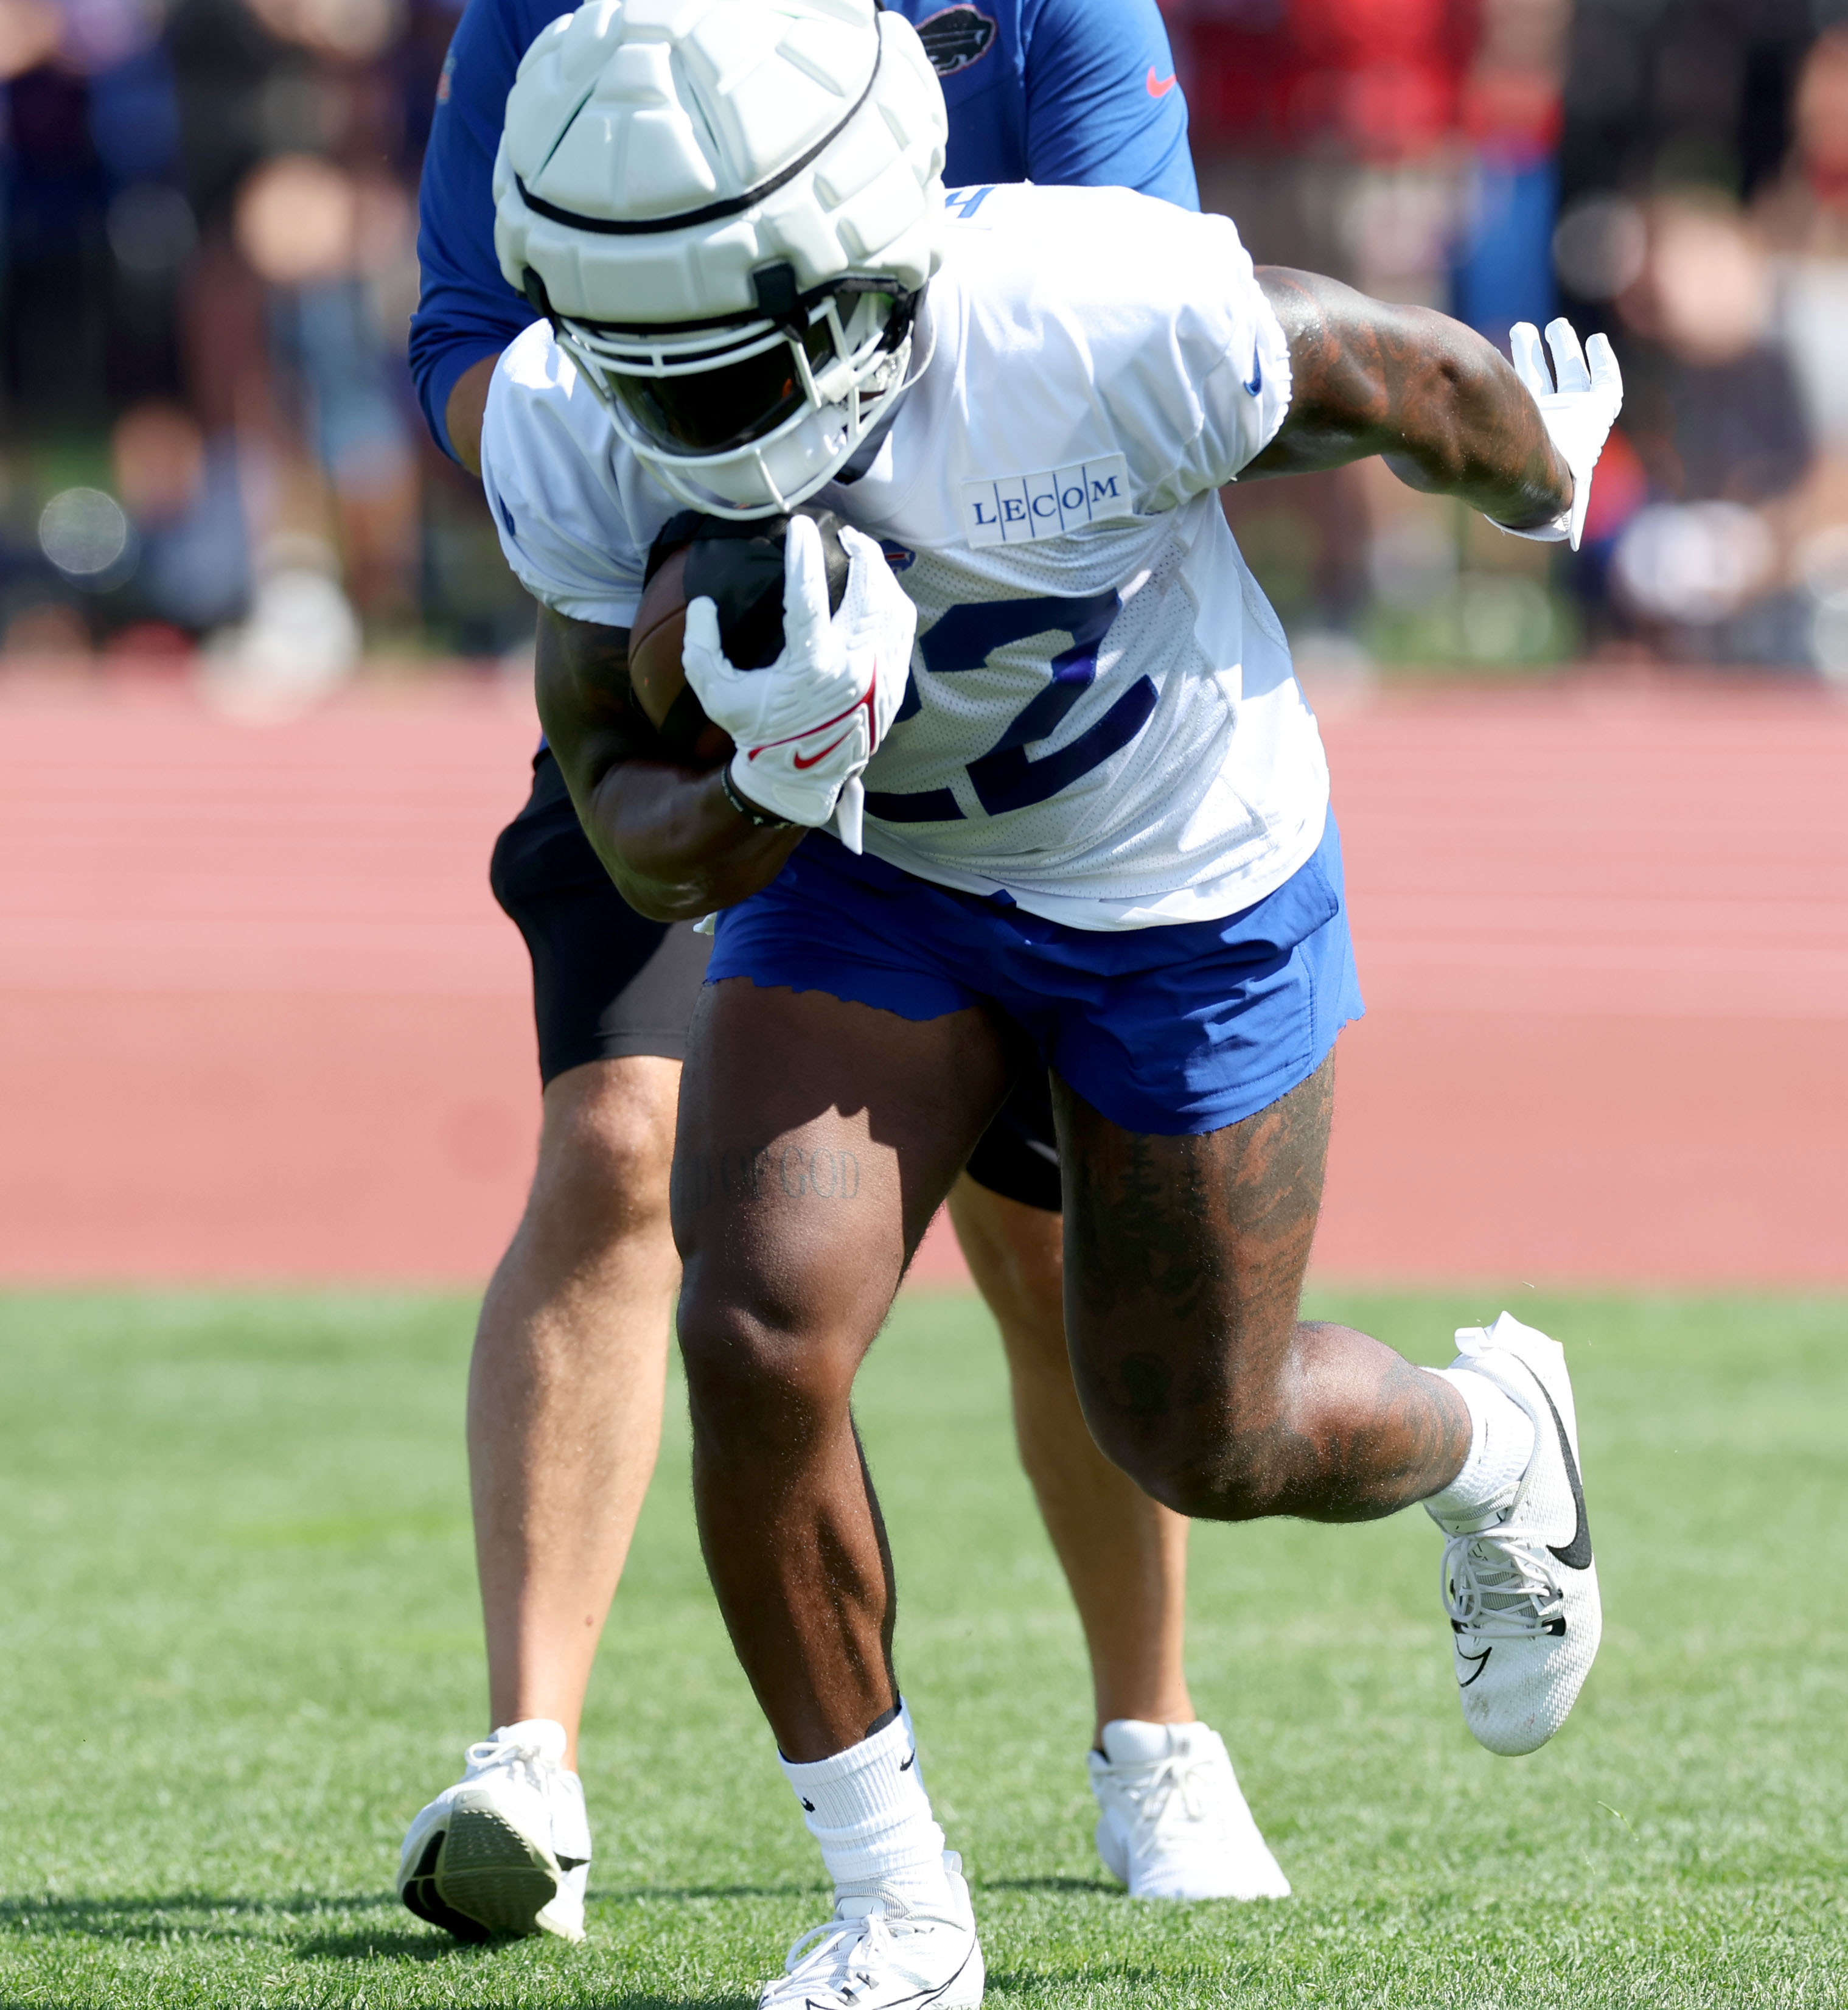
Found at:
(797, 762)
(1158, 86)
(808, 732)
(859, 704)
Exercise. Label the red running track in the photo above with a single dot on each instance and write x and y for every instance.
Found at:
(262, 1020)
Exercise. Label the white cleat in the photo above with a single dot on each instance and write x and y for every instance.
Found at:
(1519, 1585)
(1174, 1824)
(882, 1950)
(507, 1849)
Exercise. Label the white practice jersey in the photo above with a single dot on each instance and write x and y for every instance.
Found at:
(1102, 721)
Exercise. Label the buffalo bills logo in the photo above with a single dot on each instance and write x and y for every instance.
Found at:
(954, 38)
(901, 558)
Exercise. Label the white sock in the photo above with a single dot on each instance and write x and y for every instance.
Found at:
(1127, 1740)
(867, 1808)
(1501, 1444)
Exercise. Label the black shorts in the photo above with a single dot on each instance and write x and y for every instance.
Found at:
(608, 983)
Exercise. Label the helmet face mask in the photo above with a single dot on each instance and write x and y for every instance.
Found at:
(728, 213)
(751, 417)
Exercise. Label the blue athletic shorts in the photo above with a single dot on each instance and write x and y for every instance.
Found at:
(1168, 1031)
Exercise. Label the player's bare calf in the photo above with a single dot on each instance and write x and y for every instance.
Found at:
(1184, 1271)
(817, 1138)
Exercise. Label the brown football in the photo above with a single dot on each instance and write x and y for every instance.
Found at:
(740, 566)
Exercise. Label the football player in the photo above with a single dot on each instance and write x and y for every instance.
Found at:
(565, 1395)
(1047, 768)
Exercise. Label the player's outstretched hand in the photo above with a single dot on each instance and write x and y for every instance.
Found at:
(1579, 412)
(806, 725)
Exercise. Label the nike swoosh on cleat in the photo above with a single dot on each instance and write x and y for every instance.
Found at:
(1159, 86)
(1481, 1661)
(1576, 1554)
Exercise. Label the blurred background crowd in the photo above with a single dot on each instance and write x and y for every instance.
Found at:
(210, 457)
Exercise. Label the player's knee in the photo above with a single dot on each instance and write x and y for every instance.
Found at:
(755, 1374)
(604, 1161)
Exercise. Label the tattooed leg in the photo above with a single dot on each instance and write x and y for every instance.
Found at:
(816, 1140)
(1184, 1263)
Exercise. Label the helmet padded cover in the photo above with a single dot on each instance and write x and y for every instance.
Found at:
(642, 111)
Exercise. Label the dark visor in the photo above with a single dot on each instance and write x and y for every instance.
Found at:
(706, 411)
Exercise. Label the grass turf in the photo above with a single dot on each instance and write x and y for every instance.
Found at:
(238, 1649)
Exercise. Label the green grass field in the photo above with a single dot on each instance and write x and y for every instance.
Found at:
(238, 1649)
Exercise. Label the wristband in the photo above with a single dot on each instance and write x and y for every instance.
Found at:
(763, 819)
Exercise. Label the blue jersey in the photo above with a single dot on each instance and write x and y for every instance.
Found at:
(1041, 90)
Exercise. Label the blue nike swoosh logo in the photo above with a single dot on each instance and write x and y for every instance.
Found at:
(1256, 382)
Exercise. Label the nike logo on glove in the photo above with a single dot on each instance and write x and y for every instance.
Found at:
(1159, 87)
(808, 732)
(799, 762)
(1576, 1554)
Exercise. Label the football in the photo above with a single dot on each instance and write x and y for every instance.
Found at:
(740, 567)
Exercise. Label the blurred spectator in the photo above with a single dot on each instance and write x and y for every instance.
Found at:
(1804, 214)
(1327, 128)
(1805, 218)
(1406, 146)
(1510, 111)
(328, 245)
(1676, 94)
(1701, 165)
(1711, 401)
(1715, 417)
(207, 435)
(207, 269)
(185, 507)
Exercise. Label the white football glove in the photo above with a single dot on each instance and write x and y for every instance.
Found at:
(807, 724)
(1579, 414)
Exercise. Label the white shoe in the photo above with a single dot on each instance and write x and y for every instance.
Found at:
(507, 1850)
(1518, 1583)
(882, 1950)
(1174, 1824)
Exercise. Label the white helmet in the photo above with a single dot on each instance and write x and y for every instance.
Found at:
(727, 209)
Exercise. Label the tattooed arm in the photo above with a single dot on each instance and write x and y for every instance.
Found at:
(671, 839)
(1442, 407)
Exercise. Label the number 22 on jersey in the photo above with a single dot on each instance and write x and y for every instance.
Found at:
(1005, 778)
